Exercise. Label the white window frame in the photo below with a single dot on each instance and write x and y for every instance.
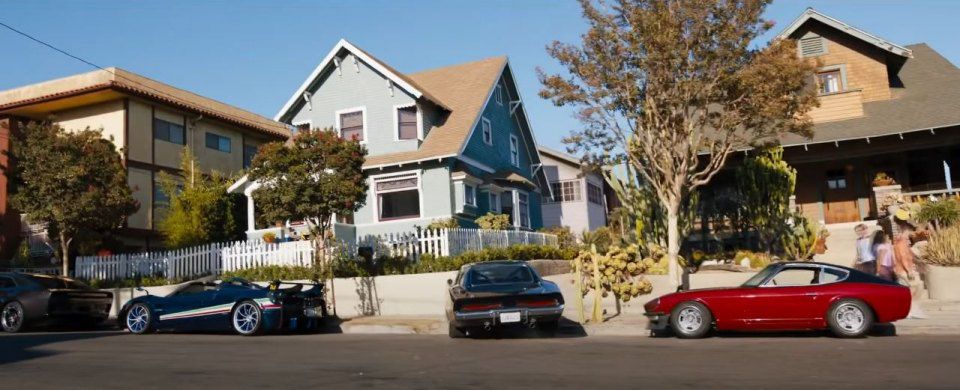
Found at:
(396, 176)
(396, 122)
(363, 110)
(469, 200)
(307, 122)
(514, 151)
(486, 130)
(499, 93)
(516, 209)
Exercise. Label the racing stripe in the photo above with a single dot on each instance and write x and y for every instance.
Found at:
(264, 303)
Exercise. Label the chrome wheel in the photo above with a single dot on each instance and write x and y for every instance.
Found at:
(850, 318)
(12, 317)
(246, 318)
(138, 319)
(690, 319)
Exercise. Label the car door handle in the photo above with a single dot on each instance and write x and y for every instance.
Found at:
(810, 294)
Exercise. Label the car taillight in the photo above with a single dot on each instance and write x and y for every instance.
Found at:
(481, 306)
(538, 303)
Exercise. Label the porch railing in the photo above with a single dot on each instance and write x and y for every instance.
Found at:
(925, 196)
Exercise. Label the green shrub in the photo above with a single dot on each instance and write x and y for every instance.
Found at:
(941, 213)
(444, 223)
(602, 238)
(757, 259)
(565, 238)
(146, 281)
(493, 221)
(943, 248)
(274, 272)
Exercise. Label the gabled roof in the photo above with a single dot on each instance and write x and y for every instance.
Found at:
(813, 14)
(929, 99)
(561, 156)
(393, 75)
(466, 88)
(132, 83)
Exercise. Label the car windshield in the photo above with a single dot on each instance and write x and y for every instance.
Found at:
(54, 283)
(488, 274)
(759, 277)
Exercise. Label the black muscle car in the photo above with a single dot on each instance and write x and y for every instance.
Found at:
(28, 300)
(495, 294)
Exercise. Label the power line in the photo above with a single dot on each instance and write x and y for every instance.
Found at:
(64, 52)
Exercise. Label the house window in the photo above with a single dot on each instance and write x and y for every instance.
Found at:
(566, 191)
(469, 195)
(523, 209)
(218, 142)
(514, 151)
(829, 82)
(407, 124)
(249, 152)
(398, 197)
(351, 125)
(499, 94)
(494, 202)
(169, 131)
(594, 193)
(487, 131)
(305, 126)
(836, 180)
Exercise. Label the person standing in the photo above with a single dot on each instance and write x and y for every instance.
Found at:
(906, 268)
(883, 252)
(865, 261)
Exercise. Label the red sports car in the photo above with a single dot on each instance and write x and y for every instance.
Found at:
(785, 296)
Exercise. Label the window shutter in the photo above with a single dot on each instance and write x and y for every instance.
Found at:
(812, 46)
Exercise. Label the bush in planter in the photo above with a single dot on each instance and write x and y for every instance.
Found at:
(757, 259)
(940, 213)
(493, 221)
(943, 248)
(882, 179)
(269, 238)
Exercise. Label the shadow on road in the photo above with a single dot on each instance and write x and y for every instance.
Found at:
(878, 330)
(24, 346)
(567, 329)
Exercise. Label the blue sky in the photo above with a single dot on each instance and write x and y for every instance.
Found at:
(253, 54)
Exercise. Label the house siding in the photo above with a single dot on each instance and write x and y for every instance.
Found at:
(366, 88)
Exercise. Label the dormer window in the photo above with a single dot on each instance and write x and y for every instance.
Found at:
(829, 81)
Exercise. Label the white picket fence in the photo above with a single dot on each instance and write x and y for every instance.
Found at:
(173, 264)
(214, 259)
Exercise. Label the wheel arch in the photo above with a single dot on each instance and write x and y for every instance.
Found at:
(836, 299)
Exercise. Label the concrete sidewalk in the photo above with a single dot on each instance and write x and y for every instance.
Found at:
(943, 319)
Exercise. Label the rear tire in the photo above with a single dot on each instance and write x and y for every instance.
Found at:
(691, 320)
(455, 332)
(12, 317)
(849, 318)
(138, 319)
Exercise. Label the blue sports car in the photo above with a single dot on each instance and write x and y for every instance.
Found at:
(233, 304)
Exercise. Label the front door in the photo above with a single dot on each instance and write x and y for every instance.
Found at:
(840, 197)
(786, 301)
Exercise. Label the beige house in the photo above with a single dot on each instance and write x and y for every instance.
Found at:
(579, 198)
(149, 121)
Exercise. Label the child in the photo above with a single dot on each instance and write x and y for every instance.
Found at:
(866, 261)
(883, 252)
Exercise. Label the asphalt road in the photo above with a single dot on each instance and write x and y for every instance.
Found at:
(111, 359)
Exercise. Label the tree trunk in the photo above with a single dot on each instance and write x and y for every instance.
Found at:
(65, 255)
(597, 314)
(673, 244)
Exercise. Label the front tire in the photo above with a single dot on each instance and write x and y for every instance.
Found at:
(247, 318)
(11, 317)
(691, 320)
(849, 318)
(139, 319)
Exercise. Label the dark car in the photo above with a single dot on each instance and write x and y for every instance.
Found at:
(29, 299)
(233, 304)
(494, 294)
(785, 296)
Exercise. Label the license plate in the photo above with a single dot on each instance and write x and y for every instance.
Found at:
(509, 317)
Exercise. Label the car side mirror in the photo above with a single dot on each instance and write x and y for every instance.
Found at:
(449, 282)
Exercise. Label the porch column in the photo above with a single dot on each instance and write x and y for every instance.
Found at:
(251, 221)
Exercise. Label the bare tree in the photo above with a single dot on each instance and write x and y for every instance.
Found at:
(672, 88)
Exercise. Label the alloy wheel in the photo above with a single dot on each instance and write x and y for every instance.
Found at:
(246, 318)
(690, 319)
(850, 318)
(12, 317)
(138, 318)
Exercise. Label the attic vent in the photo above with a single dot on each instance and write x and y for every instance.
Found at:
(812, 46)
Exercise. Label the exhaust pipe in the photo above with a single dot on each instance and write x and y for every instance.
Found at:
(532, 323)
(487, 326)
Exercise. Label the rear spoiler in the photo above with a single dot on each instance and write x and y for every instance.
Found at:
(275, 285)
